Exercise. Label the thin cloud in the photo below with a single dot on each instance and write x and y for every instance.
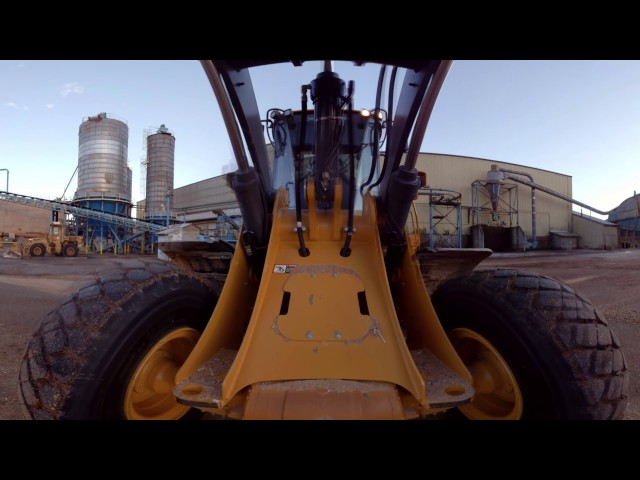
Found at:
(16, 106)
(73, 87)
(49, 105)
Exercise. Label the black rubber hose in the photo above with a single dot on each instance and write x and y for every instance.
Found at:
(392, 81)
(303, 250)
(346, 251)
(374, 142)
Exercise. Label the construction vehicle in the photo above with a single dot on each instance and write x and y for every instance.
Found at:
(58, 241)
(325, 312)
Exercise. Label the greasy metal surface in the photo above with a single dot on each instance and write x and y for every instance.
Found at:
(204, 387)
(323, 399)
(330, 398)
(444, 387)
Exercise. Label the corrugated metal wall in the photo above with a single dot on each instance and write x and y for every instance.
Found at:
(448, 172)
(212, 192)
(459, 173)
(595, 233)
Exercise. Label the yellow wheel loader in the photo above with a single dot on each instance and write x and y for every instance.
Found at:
(57, 242)
(325, 311)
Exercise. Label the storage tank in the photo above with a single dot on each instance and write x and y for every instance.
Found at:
(160, 168)
(102, 158)
(104, 177)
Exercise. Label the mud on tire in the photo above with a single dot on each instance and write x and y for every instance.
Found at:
(78, 363)
(567, 362)
(37, 250)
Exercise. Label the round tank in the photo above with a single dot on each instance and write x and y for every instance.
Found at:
(104, 179)
(160, 164)
(103, 170)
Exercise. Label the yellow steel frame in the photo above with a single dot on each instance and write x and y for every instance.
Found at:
(322, 317)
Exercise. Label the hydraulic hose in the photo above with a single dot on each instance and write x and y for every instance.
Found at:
(392, 81)
(303, 250)
(346, 251)
(376, 134)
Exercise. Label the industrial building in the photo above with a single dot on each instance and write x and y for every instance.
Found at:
(465, 202)
(627, 217)
(18, 221)
(100, 211)
(455, 208)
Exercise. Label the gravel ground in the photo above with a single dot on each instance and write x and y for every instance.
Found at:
(611, 280)
(30, 288)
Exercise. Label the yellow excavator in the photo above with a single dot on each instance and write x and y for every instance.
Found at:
(324, 312)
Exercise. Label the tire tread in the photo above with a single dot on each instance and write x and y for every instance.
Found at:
(59, 348)
(569, 321)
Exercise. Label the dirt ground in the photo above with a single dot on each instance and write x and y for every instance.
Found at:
(30, 288)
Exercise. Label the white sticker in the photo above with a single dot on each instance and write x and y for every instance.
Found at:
(283, 268)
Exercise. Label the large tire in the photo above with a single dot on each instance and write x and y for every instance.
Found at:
(536, 348)
(70, 250)
(37, 250)
(111, 350)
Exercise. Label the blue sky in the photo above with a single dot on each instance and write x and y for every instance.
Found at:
(579, 118)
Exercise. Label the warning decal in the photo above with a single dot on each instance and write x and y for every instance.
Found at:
(283, 268)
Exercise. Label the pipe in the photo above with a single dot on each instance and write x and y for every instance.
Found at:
(534, 240)
(550, 192)
(227, 114)
(168, 203)
(246, 182)
(559, 195)
(426, 108)
(67, 188)
(6, 170)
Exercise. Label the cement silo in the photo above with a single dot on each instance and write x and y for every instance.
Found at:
(160, 167)
(104, 177)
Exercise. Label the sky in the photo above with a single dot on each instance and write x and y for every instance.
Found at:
(576, 117)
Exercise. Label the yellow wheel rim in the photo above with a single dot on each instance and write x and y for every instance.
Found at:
(497, 396)
(149, 395)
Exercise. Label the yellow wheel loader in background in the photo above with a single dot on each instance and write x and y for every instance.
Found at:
(56, 242)
(325, 312)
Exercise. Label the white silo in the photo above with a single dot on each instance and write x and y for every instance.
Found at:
(102, 158)
(160, 169)
(104, 177)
